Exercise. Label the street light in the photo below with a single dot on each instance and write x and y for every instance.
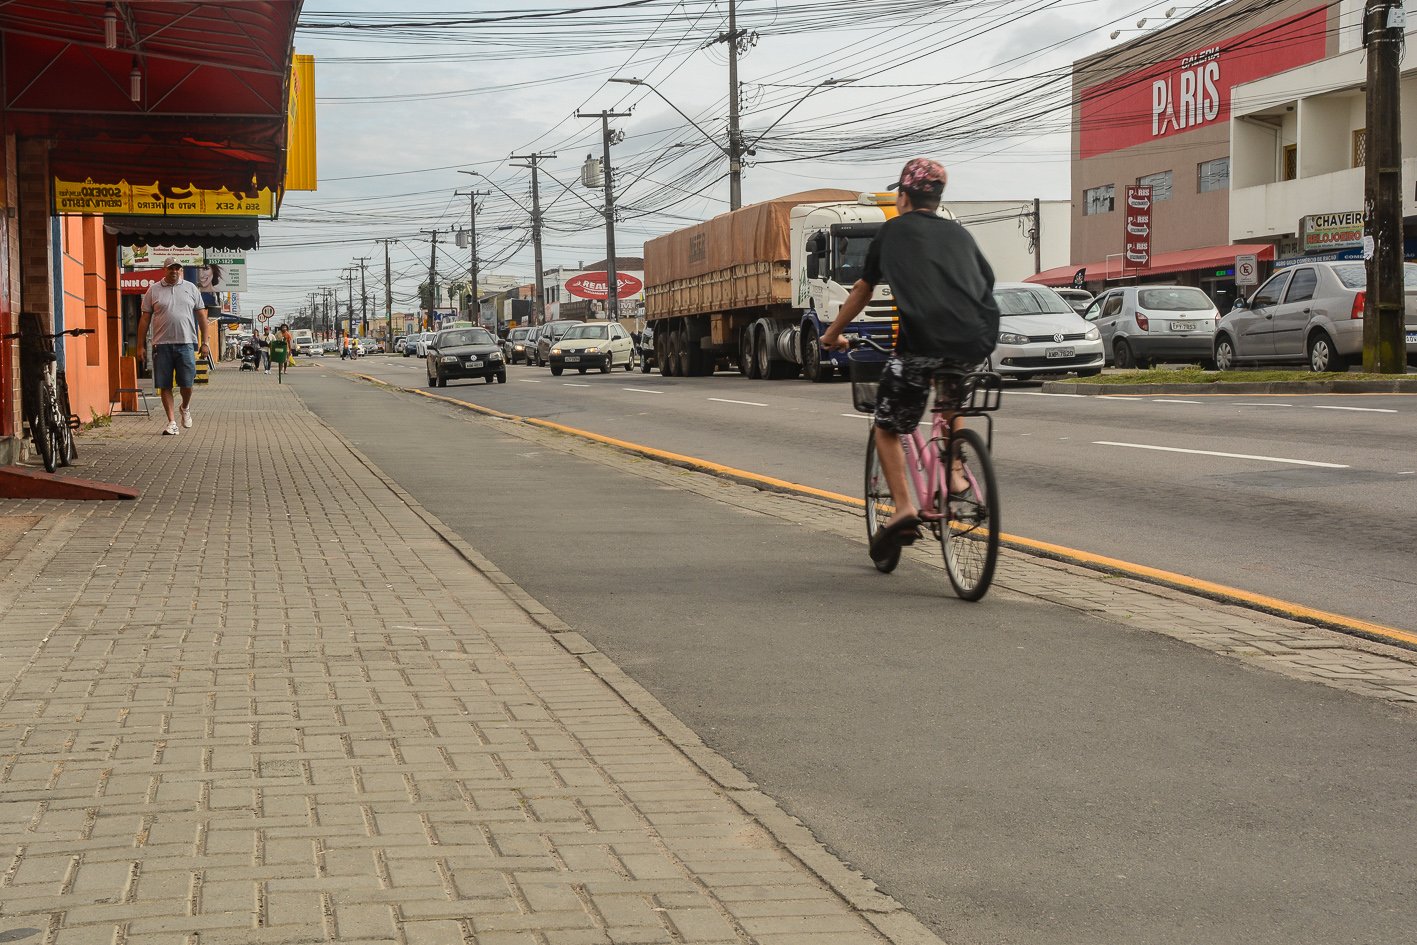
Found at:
(736, 148)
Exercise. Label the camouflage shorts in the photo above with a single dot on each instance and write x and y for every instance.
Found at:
(905, 390)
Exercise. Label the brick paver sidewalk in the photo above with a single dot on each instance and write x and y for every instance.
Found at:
(267, 703)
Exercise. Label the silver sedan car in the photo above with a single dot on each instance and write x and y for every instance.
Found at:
(1039, 333)
(1311, 314)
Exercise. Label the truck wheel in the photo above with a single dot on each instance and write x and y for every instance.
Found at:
(748, 353)
(682, 362)
(812, 366)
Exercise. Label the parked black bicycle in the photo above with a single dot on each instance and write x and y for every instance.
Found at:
(45, 394)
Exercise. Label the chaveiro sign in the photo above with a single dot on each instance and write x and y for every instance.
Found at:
(594, 285)
(1321, 232)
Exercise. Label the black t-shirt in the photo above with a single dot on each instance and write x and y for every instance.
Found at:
(942, 284)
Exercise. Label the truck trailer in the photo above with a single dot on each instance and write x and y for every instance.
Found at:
(757, 287)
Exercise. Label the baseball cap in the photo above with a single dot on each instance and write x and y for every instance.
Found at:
(922, 176)
(169, 262)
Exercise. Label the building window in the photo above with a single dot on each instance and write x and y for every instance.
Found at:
(1160, 184)
(1291, 162)
(1213, 175)
(1360, 147)
(1098, 200)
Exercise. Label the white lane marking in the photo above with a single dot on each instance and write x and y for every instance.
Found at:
(1360, 409)
(745, 403)
(1039, 393)
(863, 416)
(527, 380)
(1409, 473)
(1262, 405)
(1177, 449)
(641, 390)
(1160, 401)
(569, 384)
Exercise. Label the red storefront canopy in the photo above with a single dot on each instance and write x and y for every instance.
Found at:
(1208, 257)
(213, 89)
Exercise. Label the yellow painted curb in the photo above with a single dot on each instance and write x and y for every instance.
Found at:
(1219, 592)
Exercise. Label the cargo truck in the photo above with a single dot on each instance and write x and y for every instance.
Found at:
(757, 287)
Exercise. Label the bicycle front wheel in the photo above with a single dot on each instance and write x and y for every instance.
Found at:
(46, 437)
(969, 500)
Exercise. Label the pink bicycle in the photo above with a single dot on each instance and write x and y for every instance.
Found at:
(965, 519)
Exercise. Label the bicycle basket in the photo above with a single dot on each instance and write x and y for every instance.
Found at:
(974, 393)
(866, 367)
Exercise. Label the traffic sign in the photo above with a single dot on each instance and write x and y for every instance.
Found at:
(1247, 270)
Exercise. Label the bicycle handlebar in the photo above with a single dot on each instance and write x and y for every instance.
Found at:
(856, 341)
(76, 332)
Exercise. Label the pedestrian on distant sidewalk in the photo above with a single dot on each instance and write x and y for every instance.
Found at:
(177, 315)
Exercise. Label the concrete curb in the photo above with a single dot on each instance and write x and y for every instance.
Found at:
(1398, 385)
(890, 918)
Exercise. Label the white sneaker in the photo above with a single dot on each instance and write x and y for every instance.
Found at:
(268, 370)
(186, 418)
(170, 429)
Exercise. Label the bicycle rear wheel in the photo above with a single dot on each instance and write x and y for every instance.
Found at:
(879, 505)
(969, 534)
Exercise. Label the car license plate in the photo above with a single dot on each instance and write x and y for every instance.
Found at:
(472, 362)
(572, 360)
(1412, 337)
(1058, 353)
(1184, 326)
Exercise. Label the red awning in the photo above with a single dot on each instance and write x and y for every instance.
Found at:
(1209, 257)
(213, 89)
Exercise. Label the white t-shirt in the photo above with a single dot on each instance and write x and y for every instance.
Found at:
(173, 309)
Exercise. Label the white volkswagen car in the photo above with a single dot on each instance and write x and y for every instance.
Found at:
(1039, 333)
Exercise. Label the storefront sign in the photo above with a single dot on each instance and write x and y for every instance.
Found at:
(137, 257)
(593, 285)
(1136, 240)
(149, 199)
(1323, 232)
(137, 282)
(1192, 91)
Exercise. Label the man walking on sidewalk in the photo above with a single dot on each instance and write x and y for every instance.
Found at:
(178, 317)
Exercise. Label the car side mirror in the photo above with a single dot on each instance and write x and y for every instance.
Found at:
(1241, 303)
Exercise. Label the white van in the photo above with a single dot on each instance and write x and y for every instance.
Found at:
(303, 338)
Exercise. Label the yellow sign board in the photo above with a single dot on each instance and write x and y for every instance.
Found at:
(148, 200)
(300, 125)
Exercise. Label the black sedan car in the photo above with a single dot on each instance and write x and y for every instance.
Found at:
(465, 352)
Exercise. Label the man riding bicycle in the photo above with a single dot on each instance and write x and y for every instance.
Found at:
(943, 288)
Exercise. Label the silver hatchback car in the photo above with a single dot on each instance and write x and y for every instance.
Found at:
(1308, 314)
(1146, 323)
(1039, 333)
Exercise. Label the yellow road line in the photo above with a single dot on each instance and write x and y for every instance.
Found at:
(1223, 592)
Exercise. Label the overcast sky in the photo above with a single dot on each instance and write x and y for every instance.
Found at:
(404, 104)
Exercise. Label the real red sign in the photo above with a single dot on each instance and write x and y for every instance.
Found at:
(1136, 240)
(137, 281)
(593, 285)
(1193, 90)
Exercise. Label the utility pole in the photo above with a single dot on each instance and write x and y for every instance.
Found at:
(538, 303)
(388, 289)
(348, 277)
(612, 275)
(432, 280)
(1384, 347)
(1037, 236)
(363, 297)
(474, 309)
(735, 136)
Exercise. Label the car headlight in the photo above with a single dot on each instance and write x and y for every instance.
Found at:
(449, 359)
(555, 350)
(520, 347)
(1093, 333)
(592, 351)
(495, 356)
(1009, 338)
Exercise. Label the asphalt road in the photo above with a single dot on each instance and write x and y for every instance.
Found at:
(1011, 771)
(1314, 504)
